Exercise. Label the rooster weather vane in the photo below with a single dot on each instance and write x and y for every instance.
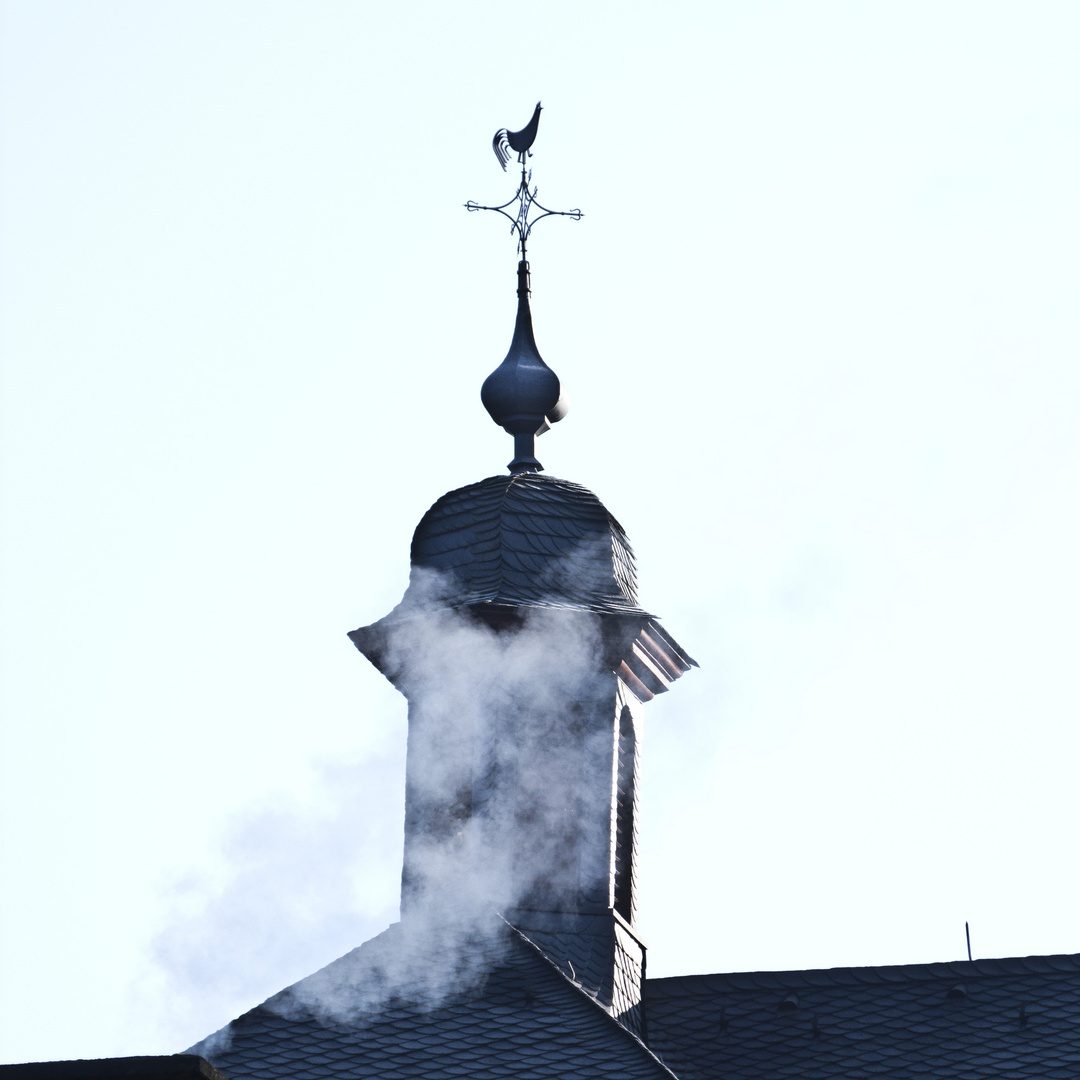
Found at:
(523, 395)
(504, 143)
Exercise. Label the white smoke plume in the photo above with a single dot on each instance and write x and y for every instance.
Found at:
(510, 758)
(292, 891)
(506, 727)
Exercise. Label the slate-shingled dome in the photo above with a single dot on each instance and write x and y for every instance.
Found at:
(527, 540)
(530, 540)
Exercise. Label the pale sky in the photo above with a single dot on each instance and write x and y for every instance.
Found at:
(818, 329)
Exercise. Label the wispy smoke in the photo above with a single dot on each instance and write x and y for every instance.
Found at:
(510, 759)
(295, 889)
(415, 963)
(507, 728)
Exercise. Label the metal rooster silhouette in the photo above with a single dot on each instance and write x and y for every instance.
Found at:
(505, 141)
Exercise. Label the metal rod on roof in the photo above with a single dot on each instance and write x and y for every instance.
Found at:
(967, 932)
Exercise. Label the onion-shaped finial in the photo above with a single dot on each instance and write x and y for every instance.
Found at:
(523, 394)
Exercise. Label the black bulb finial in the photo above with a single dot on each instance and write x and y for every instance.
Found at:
(523, 394)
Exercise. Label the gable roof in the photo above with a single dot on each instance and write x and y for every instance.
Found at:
(432, 1006)
(1014, 1018)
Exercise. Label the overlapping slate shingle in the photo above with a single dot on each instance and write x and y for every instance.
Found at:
(508, 544)
(1014, 1019)
(528, 539)
(402, 1007)
(598, 952)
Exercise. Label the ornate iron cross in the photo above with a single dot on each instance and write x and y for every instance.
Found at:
(521, 222)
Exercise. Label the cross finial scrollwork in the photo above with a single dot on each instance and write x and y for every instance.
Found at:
(522, 219)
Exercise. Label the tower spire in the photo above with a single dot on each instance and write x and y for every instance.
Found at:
(523, 395)
(526, 660)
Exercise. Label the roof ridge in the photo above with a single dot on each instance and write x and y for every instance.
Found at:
(988, 967)
(501, 550)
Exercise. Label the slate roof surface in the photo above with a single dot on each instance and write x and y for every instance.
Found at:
(1014, 1019)
(489, 1008)
(597, 951)
(529, 539)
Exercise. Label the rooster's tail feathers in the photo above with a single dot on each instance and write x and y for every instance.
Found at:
(501, 145)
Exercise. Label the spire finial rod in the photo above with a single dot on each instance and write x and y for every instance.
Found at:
(523, 395)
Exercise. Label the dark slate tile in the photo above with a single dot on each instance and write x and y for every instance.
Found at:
(479, 1029)
(896, 1021)
(529, 536)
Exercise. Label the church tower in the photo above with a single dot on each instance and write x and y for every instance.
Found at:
(526, 659)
